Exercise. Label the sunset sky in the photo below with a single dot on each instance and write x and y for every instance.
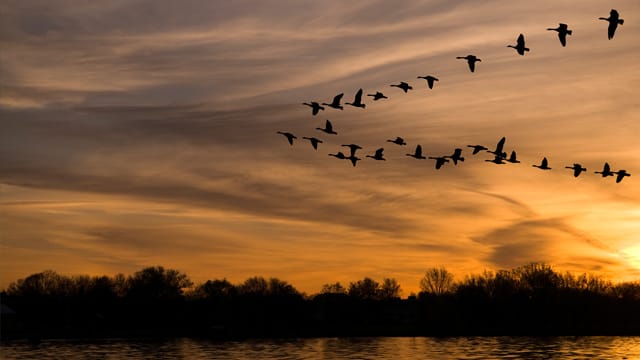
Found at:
(140, 133)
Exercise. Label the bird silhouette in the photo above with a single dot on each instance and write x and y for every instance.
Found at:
(512, 159)
(315, 107)
(418, 153)
(563, 31)
(471, 60)
(357, 101)
(328, 128)
(621, 174)
(338, 155)
(606, 171)
(577, 169)
(520, 47)
(497, 160)
(377, 96)
(477, 148)
(398, 141)
(336, 102)
(544, 165)
(314, 141)
(378, 155)
(289, 136)
(403, 85)
(614, 20)
(440, 160)
(456, 156)
(498, 151)
(353, 148)
(430, 80)
(354, 159)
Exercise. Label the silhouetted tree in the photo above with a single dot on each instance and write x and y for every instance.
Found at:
(214, 289)
(157, 283)
(366, 288)
(437, 281)
(390, 289)
(256, 286)
(335, 288)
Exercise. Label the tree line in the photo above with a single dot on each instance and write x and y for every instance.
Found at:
(532, 299)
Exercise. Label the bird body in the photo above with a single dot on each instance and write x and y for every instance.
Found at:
(315, 107)
(577, 169)
(614, 20)
(563, 31)
(378, 155)
(606, 171)
(357, 100)
(377, 96)
(314, 141)
(497, 160)
(477, 148)
(440, 160)
(544, 165)
(498, 151)
(512, 159)
(354, 159)
(336, 102)
(621, 174)
(338, 155)
(430, 80)
(520, 47)
(398, 141)
(456, 156)
(471, 60)
(404, 86)
(353, 148)
(288, 135)
(418, 153)
(328, 128)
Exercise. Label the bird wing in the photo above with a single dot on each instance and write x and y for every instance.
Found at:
(563, 38)
(606, 168)
(612, 29)
(419, 150)
(328, 126)
(544, 163)
(358, 98)
(337, 99)
(521, 40)
(472, 65)
(500, 145)
(379, 152)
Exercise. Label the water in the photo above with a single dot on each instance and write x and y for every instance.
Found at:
(461, 348)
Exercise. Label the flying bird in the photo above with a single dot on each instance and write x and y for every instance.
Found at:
(353, 148)
(418, 153)
(440, 160)
(314, 141)
(403, 85)
(520, 47)
(456, 156)
(621, 174)
(357, 101)
(377, 96)
(498, 151)
(398, 141)
(563, 31)
(315, 107)
(354, 159)
(328, 128)
(336, 102)
(289, 136)
(338, 155)
(471, 60)
(477, 148)
(544, 165)
(606, 171)
(512, 159)
(378, 155)
(430, 80)
(577, 169)
(497, 160)
(614, 20)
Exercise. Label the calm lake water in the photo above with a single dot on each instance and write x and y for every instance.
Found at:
(335, 348)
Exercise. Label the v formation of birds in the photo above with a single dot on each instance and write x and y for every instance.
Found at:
(499, 156)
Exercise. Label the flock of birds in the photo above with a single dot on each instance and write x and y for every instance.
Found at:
(499, 155)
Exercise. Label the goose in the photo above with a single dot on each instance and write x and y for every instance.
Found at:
(403, 85)
(606, 171)
(338, 155)
(315, 107)
(471, 60)
(377, 96)
(520, 47)
(430, 80)
(440, 160)
(577, 169)
(544, 165)
(477, 148)
(563, 31)
(456, 156)
(614, 20)
(289, 136)
(353, 148)
(418, 153)
(398, 141)
(357, 101)
(621, 174)
(336, 102)
(328, 128)
(497, 160)
(314, 141)
(498, 151)
(512, 159)
(378, 155)
(354, 159)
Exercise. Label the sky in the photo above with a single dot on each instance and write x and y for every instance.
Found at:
(143, 132)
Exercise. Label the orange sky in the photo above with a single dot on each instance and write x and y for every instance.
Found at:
(139, 133)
